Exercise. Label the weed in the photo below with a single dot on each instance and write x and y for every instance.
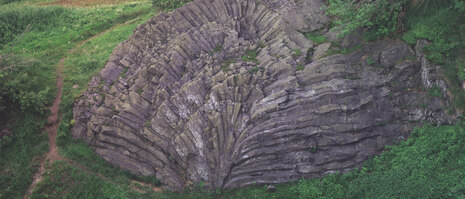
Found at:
(435, 91)
(370, 61)
(225, 64)
(317, 39)
(123, 72)
(314, 149)
(297, 53)
(351, 77)
(217, 49)
(254, 70)
(169, 5)
(250, 56)
(300, 67)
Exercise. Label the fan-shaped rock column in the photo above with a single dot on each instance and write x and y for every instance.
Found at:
(215, 92)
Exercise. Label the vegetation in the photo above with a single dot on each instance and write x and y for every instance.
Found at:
(316, 38)
(169, 5)
(250, 56)
(34, 38)
(437, 21)
(32, 41)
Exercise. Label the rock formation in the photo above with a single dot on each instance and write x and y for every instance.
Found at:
(231, 93)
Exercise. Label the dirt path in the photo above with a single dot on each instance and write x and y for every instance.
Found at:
(54, 120)
(51, 130)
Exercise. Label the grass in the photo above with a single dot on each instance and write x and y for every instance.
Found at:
(17, 154)
(225, 64)
(297, 53)
(435, 91)
(250, 56)
(316, 38)
(427, 165)
(81, 65)
(44, 35)
(442, 25)
(169, 5)
(254, 70)
(66, 181)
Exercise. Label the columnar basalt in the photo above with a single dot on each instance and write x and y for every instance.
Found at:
(231, 93)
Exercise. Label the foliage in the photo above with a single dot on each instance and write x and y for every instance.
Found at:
(442, 26)
(77, 183)
(25, 84)
(427, 165)
(8, 1)
(17, 152)
(297, 53)
(435, 91)
(382, 16)
(250, 56)
(316, 38)
(14, 20)
(27, 78)
(169, 5)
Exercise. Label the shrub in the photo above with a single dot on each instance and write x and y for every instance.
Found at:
(169, 5)
(24, 85)
(382, 16)
(16, 20)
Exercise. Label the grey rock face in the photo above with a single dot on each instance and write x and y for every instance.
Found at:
(177, 100)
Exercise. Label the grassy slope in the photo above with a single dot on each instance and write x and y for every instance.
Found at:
(53, 32)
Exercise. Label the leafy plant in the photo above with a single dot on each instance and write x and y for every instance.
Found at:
(254, 70)
(316, 38)
(297, 53)
(169, 5)
(250, 56)
(381, 16)
(370, 61)
(435, 91)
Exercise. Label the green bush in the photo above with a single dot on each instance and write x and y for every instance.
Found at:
(8, 1)
(24, 85)
(169, 5)
(16, 152)
(16, 20)
(427, 165)
(382, 16)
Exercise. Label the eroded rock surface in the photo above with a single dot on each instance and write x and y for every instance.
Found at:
(185, 98)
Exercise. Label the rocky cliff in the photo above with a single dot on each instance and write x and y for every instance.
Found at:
(231, 93)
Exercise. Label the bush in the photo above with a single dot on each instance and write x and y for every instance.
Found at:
(16, 20)
(168, 5)
(382, 16)
(7, 1)
(427, 165)
(23, 85)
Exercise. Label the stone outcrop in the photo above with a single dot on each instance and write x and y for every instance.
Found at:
(231, 93)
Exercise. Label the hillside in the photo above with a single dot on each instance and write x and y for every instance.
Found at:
(266, 92)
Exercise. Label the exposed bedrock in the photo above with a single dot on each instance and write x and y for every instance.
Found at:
(186, 99)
